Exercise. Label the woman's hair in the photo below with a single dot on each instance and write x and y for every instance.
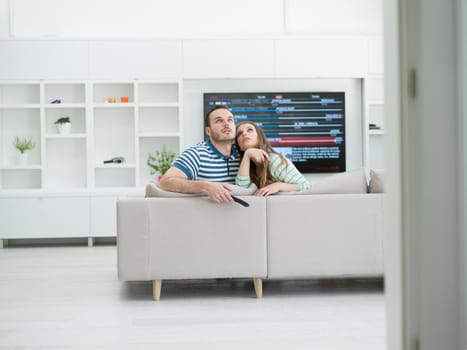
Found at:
(259, 173)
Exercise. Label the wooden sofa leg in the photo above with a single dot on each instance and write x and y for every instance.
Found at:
(156, 289)
(258, 283)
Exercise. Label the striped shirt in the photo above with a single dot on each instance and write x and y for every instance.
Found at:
(280, 172)
(204, 162)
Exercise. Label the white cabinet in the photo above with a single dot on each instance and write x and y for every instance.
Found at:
(20, 116)
(103, 216)
(109, 120)
(374, 122)
(149, 120)
(65, 154)
(44, 217)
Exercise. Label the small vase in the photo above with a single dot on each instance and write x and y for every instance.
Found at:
(64, 128)
(23, 159)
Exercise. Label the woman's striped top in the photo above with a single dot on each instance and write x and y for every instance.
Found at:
(280, 172)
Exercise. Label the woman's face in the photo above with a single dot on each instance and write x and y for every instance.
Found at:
(247, 136)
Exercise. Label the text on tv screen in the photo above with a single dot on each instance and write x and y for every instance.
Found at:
(306, 127)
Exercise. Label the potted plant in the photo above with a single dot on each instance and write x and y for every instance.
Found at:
(64, 125)
(23, 145)
(160, 161)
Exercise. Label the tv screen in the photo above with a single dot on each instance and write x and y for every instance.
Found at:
(306, 127)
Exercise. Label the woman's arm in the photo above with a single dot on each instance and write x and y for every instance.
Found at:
(288, 174)
(251, 155)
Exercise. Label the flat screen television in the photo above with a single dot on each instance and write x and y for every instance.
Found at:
(306, 127)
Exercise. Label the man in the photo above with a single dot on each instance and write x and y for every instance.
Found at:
(209, 166)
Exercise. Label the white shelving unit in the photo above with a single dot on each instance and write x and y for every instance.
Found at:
(72, 166)
(20, 115)
(373, 114)
(150, 120)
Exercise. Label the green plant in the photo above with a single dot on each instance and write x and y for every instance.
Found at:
(63, 120)
(23, 144)
(161, 161)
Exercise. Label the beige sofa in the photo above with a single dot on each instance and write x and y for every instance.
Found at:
(312, 235)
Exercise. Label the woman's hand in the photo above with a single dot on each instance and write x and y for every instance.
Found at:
(269, 189)
(276, 187)
(256, 155)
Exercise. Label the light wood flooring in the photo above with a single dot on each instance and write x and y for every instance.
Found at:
(71, 298)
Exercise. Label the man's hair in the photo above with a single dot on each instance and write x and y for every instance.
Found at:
(207, 121)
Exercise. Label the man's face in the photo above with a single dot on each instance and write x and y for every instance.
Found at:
(222, 126)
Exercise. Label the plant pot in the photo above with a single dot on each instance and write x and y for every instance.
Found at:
(64, 128)
(23, 159)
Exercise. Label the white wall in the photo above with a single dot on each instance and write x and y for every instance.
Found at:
(193, 106)
(4, 19)
(185, 18)
(228, 45)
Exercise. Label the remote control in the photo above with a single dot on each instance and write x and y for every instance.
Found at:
(240, 201)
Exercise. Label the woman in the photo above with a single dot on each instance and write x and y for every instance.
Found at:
(268, 170)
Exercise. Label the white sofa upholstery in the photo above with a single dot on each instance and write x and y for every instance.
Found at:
(332, 235)
(302, 236)
(189, 238)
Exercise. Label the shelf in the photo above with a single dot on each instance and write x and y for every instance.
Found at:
(21, 178)
(114, 105)
(158, 104)
(156, 92)
(109, 177)
(115, 166)
(19, 93)
(19, 167)
(20, 106)
(103, 91)
(160, 134)
(77, 115)
(70, 136)
(65, 172)
(67, 93)
(149, 121)
(64, 105)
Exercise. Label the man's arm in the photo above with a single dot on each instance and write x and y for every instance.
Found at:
(175, 180)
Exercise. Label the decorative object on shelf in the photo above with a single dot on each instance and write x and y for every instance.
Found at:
(161, 161)
(64, 125)
(116, 160)
(56, 101)
(23, 145)
(124, 99)
(110, 100)
(374, 127)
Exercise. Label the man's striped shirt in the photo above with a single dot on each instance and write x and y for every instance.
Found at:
(204, 162)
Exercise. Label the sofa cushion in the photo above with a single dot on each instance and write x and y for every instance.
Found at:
(153, 190)
(376, 181)
(352, 181)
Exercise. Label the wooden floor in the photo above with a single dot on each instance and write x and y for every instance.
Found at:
(71, 298)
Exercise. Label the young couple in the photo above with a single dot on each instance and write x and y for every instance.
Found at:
(212, 166)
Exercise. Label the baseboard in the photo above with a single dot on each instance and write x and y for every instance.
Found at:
(43, 242)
